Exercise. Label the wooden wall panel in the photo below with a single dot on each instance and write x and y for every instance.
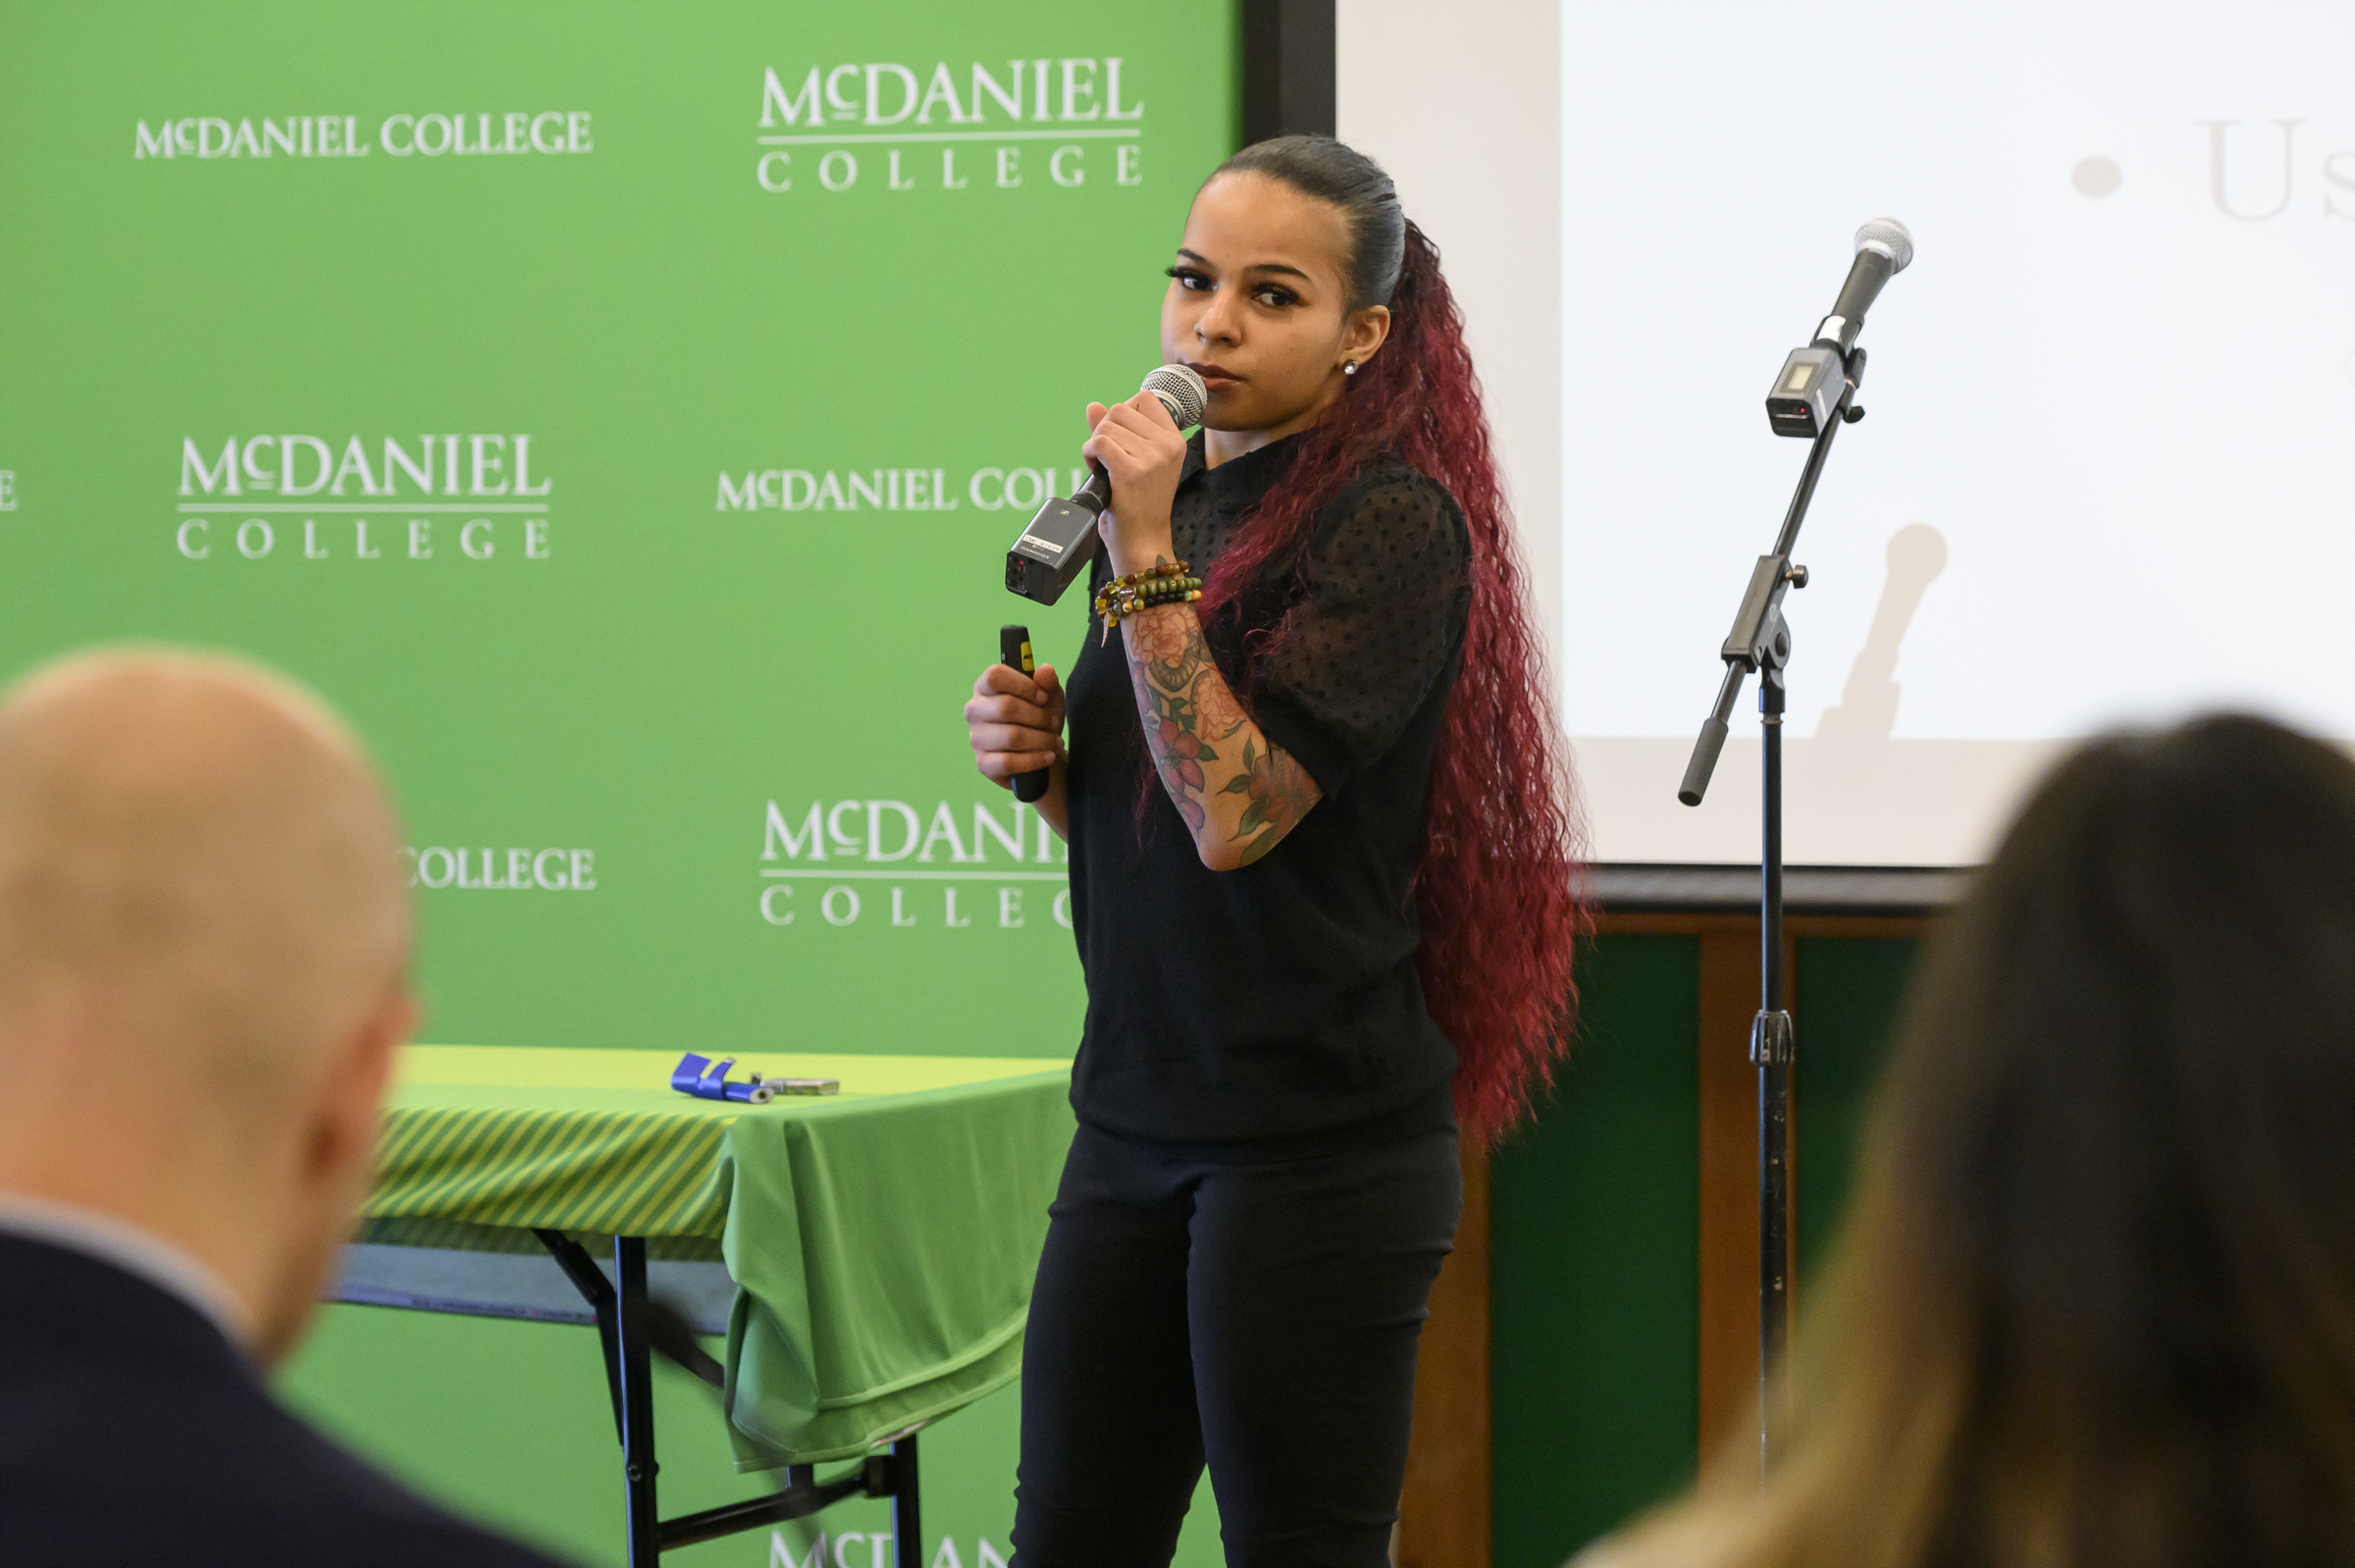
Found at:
(1729, 1181)
(1728, 1222)
(1443, 1519)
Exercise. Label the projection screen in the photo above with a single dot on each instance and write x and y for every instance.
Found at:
(2103, 479)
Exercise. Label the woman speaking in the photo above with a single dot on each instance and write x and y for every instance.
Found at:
(1322, 853)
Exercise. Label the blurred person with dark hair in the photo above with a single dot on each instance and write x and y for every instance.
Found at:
(2095, 1303)
(204, 949)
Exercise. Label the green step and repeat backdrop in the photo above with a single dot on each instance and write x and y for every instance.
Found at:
(621, 412)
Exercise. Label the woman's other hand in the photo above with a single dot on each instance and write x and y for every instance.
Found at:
(1015, 723)
(1143, 451)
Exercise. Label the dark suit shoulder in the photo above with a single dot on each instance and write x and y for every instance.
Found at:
(133, 1434)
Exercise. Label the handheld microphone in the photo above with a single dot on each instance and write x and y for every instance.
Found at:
(1809, 388)
(1060, 539)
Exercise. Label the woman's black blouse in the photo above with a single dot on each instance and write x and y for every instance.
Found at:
(1274, 1010)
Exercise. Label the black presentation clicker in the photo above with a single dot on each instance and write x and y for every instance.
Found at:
(1013, 651)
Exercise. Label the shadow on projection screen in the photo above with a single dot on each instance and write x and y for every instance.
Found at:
(2105, 478)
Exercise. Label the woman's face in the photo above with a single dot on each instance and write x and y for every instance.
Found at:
(1259, 307)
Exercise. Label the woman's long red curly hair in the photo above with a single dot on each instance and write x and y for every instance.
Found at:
(1497, 885)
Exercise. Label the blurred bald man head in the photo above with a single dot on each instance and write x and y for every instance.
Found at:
(204, 948)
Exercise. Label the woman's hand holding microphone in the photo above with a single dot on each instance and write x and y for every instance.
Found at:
(1143, 451)
(1014, 720)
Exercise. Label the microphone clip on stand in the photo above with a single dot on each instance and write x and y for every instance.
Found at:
(1759, 645)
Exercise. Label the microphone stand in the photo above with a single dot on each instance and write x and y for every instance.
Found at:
(1760, 644)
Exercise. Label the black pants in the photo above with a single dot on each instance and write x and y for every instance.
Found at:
(1262, 1318)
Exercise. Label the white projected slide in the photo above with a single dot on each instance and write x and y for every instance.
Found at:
(2108, 472)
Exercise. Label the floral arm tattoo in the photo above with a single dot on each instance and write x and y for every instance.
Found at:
(1231, 783)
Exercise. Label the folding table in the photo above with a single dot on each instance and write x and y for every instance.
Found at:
(869, 1255)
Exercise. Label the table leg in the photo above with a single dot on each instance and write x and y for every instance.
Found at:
(581, 1269)
(637, 1403)
(906, 1511)
(628, 1329)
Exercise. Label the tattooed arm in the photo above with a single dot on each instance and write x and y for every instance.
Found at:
(1238, 792)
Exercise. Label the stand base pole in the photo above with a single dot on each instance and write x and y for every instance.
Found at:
(1771, 1049)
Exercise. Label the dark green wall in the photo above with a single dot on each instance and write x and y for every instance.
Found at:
(1849, 992)
(1595, 1283)
(1594, 1290)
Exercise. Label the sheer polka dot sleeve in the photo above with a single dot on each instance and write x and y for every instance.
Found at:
(1385, 593)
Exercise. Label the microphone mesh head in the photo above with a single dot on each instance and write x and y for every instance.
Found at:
(1180, 392)
(1888, 236)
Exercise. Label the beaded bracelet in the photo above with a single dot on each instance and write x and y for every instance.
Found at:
(1123, 597)
(1119, 601)
(1115, 615)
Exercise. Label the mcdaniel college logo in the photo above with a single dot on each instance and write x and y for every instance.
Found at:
(887, 863)
(513, 133)
(1063, 123)
(462, 496)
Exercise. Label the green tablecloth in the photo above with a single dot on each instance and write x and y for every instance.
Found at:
(883, 1240)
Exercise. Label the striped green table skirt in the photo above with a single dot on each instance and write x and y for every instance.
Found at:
(882, 1241)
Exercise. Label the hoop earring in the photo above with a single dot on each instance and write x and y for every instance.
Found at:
(1349, 367)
